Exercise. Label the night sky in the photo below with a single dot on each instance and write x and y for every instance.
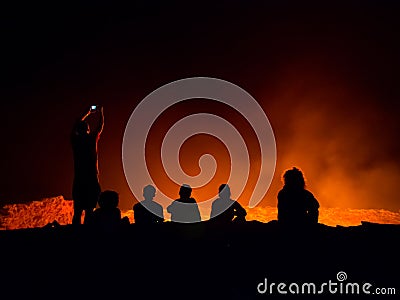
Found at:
(326, 74)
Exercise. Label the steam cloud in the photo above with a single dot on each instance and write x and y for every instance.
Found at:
(344, 140)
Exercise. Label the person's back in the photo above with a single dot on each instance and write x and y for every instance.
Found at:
(147, 211)
(296, 205)
(184, 209)
(224, 210)
(85, 154)
(108, 216)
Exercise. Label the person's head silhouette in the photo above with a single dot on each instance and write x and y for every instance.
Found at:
(185, 191)
(108, 199)
(224, 191)
(149, 192)
(294, 179)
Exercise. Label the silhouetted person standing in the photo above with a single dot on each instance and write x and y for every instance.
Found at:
(184, 209)
(296, 205)
(86, 188)
(224, 210)
(147, 211)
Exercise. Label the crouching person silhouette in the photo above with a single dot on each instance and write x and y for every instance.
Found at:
(296, 205)
(224, 210)
(184, 209)
(148, 211)
(107, 217)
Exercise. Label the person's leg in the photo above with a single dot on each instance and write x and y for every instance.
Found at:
(77, 196)
(92, 197)
(88, 215)
(76, 218)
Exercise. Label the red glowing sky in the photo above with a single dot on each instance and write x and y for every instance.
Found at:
(325, 75)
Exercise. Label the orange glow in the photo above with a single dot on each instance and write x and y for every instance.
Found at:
(331, 129)
(196, 146)
(40, 213)
(336, 145)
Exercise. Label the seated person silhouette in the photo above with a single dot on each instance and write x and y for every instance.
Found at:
(107, 217)
(296, 205)
(224, 210)
(184, 209)
(147, 211)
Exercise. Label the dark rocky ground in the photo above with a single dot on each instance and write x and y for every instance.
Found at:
(195, 261)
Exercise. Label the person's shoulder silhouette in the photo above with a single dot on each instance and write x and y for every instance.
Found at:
(84, 141)
(296, 204)
(148, 211)
(185, 208)
(225, 210)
